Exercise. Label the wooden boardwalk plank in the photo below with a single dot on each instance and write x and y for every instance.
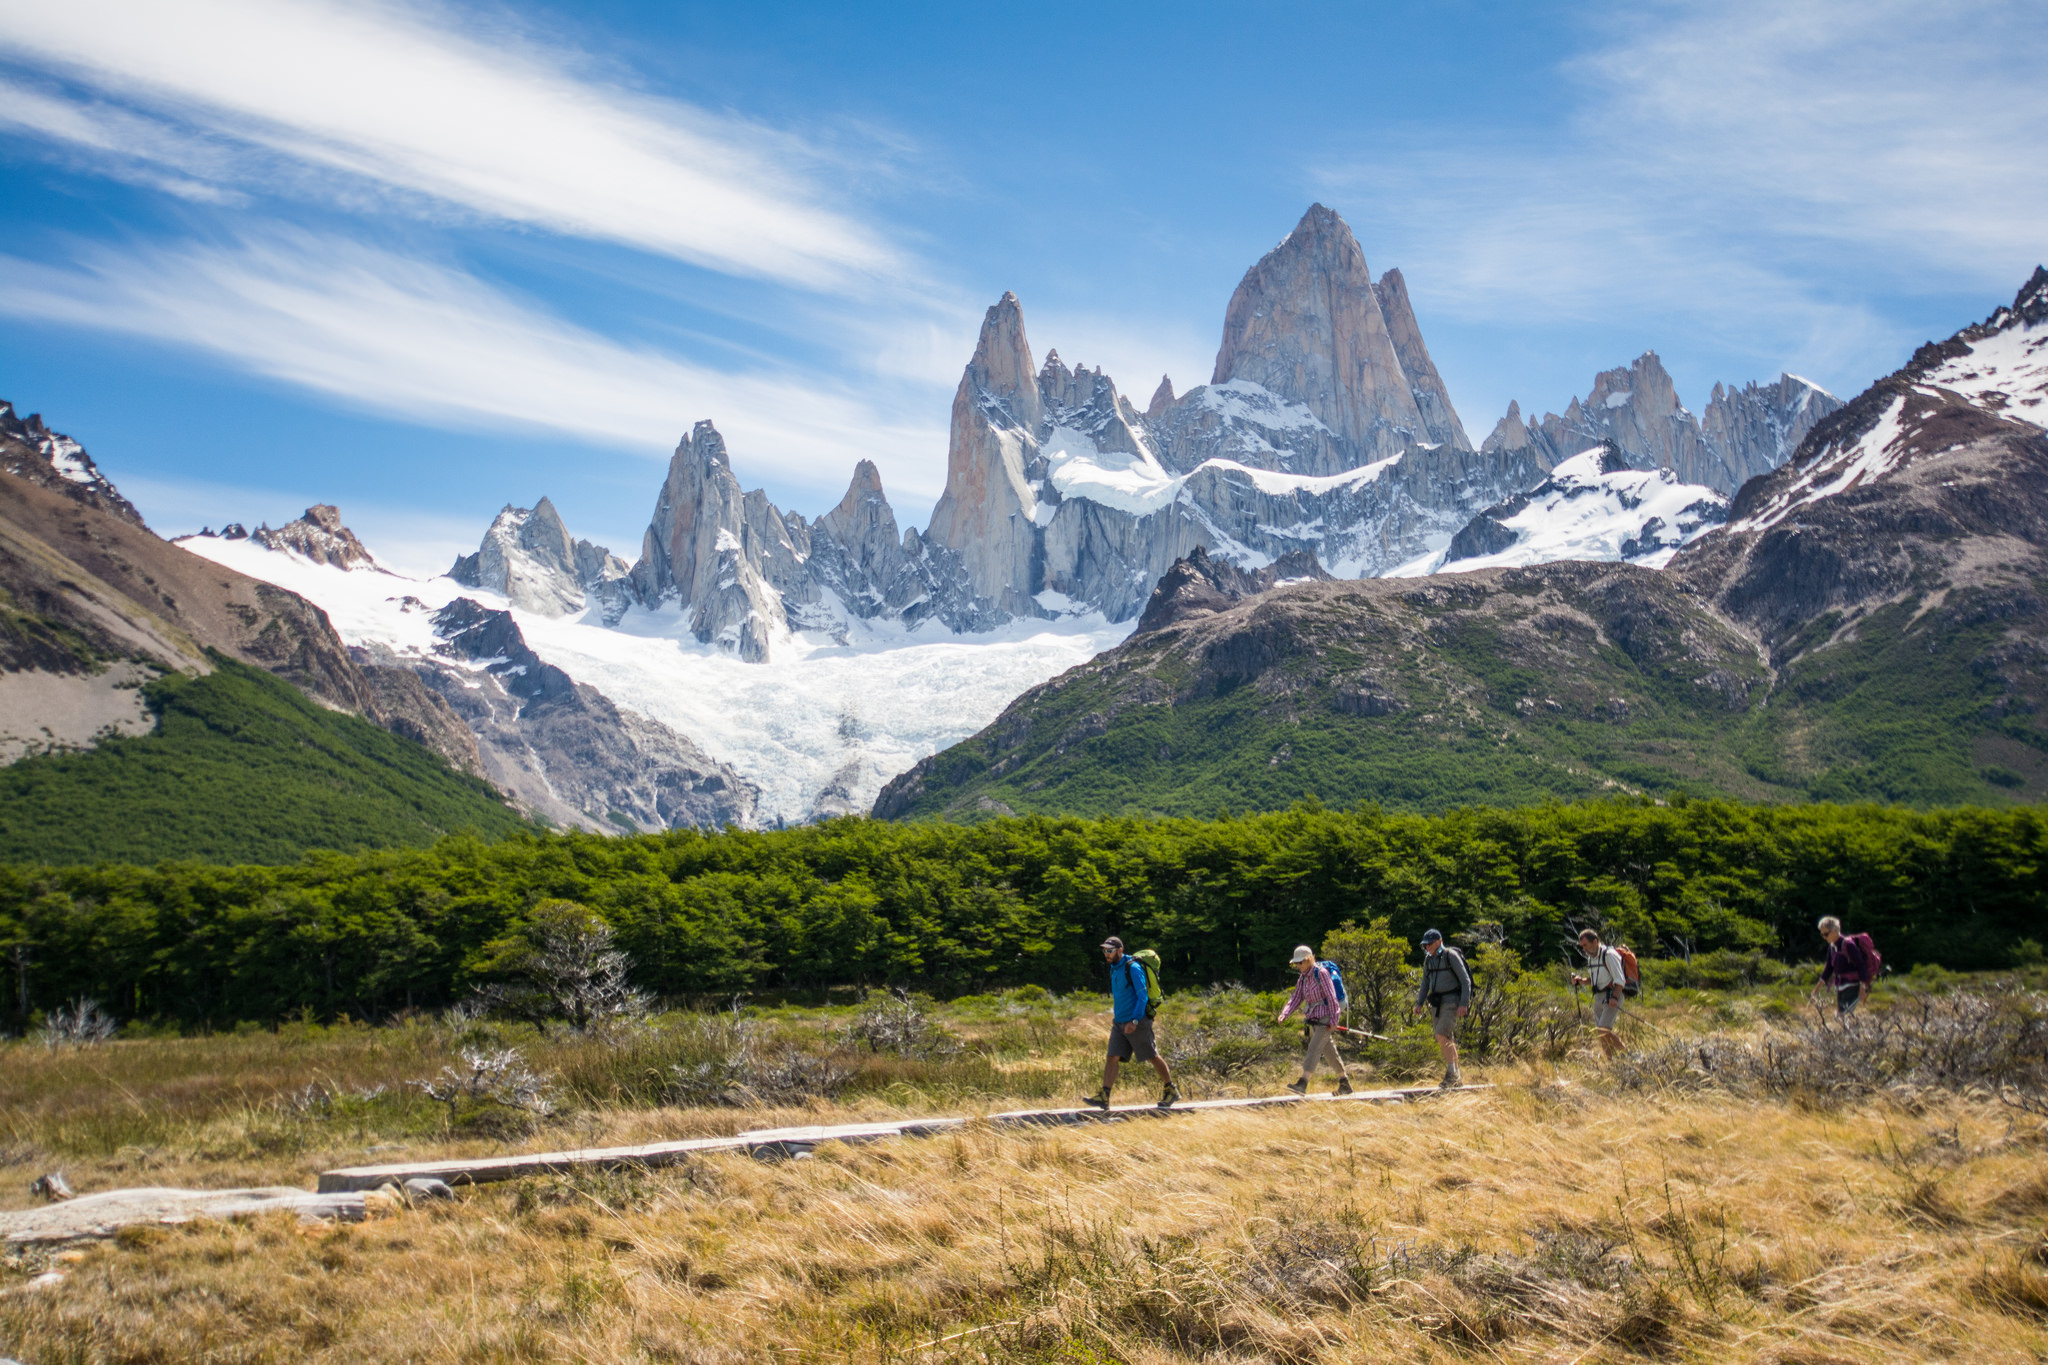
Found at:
(771, 1143)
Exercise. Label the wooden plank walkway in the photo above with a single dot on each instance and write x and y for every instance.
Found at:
(777, 1143)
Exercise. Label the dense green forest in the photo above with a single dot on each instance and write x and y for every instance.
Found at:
(242, 767)
(954, 908)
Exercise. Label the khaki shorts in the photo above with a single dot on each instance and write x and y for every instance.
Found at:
(1444, 1019)
(1135, 1046)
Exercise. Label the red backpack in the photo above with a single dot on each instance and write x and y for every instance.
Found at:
(1631, 971)
(1873, 960)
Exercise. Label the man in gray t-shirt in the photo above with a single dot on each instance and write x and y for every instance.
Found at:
(1605, 975)
(1446, 997)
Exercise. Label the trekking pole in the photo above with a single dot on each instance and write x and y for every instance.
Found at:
(1641, 1020)
(1578, 1011)
(1359, 1033)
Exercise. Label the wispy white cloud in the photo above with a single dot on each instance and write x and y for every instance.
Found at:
(432, 343)
(397, 98)
(1755, 172)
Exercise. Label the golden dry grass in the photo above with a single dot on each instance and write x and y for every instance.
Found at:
(1540, 1222)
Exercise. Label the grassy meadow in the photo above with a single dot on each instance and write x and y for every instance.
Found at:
(1722, 1194)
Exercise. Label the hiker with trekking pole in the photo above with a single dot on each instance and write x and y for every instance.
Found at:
(1446, 997)
(1608, 976)
(1315, 995)
(1136, 1004)
(1852, 967)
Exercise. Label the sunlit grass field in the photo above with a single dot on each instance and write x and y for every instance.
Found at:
(1560, 1216)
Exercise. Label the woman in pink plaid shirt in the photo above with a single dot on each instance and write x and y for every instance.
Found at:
(1316, 998)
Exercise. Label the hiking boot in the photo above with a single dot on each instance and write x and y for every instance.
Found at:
(1169, 1096)
(1299, 1087)
(1343, 1086)
(1099, 1101)
(1452, 1080)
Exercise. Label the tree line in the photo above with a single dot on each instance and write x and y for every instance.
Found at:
(954, 908)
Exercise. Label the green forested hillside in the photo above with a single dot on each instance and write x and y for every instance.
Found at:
(242, 768)
(1506, 687)
(953, 907)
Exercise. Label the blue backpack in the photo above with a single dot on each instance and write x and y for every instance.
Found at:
(1336, 982)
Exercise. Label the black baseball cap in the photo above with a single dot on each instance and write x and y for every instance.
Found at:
(1432, 936)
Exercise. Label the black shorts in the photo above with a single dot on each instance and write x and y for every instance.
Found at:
(1135, 1046)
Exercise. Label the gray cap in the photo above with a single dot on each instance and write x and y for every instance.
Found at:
(1432, 936)
(1113, 942)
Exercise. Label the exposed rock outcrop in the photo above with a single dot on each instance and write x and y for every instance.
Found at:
(529, 558)
(1746, 432)
(1308, 323)
(559, 748)
(320, 537)
(49, 459)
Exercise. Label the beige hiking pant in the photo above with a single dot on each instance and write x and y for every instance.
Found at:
(1320, 1046)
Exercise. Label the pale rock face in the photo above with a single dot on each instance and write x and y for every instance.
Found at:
(1162, 397)
(1327, 431)
(986, 512)
(696, 550)
(1747, 431)
(1432, 399)
(1308, 324)
(1756, 428)
(528, 556)
(320, 536)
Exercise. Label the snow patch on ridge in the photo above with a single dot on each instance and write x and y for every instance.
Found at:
(1584, 512)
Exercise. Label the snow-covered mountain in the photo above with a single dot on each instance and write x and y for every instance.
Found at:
(1593, 506)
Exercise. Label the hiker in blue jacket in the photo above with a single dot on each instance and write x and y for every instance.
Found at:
(1130, 1030)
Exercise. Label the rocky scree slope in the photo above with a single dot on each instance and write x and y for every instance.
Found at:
(1868, 625)
(560, 748)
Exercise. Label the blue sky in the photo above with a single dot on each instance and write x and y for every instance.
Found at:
(423, 260)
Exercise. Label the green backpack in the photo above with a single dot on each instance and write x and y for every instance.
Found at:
(1149, 960)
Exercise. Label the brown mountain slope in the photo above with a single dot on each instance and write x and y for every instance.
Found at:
(92, 601)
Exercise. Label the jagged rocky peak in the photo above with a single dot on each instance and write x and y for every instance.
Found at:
(320, 536)
(1162, 397)
(1509, 433)
(50, 459)
(1745, 432)
(1200, 585)
(528, 557)
(743, 571)
(989, 503)
(1309, 324)
(1432, 398)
